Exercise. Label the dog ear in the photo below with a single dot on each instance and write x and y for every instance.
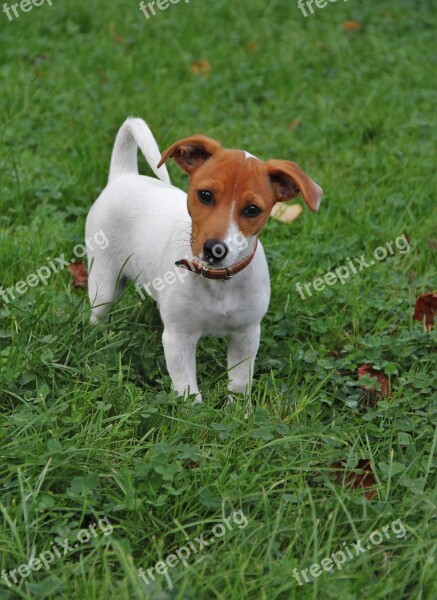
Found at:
(288, 181)
(190, 153)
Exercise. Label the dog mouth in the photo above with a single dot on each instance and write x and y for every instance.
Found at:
(211, 263)
(201, 261)
(218, 253)
(214, 264)
(213, 255)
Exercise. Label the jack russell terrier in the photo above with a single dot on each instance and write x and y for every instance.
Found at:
(151, 225)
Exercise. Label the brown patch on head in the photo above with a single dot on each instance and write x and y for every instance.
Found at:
(229, 186)
(235, 184)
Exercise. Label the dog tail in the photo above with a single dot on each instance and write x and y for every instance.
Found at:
(135, 133)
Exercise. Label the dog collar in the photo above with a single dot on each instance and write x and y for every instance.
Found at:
(224, 274)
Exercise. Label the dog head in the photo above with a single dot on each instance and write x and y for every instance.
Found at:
(231, 195)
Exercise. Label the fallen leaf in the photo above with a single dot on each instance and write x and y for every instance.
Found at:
(351, 26)
(365, 480)
(286, 213)
(382, 379)
(251, 47)
(294, 124)
(80, 274)
(425, 308)
(201, 67)
(118, 39)
(191, 465)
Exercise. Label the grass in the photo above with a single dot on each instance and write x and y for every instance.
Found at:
(89, 427)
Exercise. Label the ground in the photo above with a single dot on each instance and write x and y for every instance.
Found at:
(90, 431)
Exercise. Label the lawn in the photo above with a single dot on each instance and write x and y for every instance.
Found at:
(103, 471)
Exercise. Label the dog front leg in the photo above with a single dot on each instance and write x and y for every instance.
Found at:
(242, 350)
(180, 357)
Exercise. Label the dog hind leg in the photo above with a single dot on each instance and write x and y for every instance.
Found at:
(105, 286)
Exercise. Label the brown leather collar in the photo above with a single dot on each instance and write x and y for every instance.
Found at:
(209, 273)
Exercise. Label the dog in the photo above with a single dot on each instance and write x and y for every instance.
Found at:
(223, 288)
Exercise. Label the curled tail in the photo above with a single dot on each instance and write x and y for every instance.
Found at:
(135, 133)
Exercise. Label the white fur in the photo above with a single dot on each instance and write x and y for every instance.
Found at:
(148, 227)
(239, 246)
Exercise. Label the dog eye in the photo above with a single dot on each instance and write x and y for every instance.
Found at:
(206, 197)
(252, 211)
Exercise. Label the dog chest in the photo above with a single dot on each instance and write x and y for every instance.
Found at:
(224, 308)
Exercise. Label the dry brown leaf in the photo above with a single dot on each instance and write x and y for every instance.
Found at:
(286, 213)
(201, 67)
(351, 26)
(425, 309)
(251, 47)
(191, 465)
(365, 480)
(383, 380)
(80, 274)
(294, 124)
(118, 39)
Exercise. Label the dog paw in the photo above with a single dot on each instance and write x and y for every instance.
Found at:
(231, 400)
(198, 399)
(249, 410)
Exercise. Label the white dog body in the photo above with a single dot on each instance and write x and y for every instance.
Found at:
(149, 228)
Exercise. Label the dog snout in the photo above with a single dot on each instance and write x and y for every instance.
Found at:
(214, 250)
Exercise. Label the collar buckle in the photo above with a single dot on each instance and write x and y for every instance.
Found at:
(229, 273)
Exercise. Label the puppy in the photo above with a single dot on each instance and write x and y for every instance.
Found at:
(198, 257)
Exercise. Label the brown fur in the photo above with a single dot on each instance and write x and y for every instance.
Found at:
(236, 182)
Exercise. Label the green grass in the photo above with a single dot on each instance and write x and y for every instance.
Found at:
(89, 427)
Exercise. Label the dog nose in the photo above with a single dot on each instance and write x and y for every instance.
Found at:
(214, 250)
